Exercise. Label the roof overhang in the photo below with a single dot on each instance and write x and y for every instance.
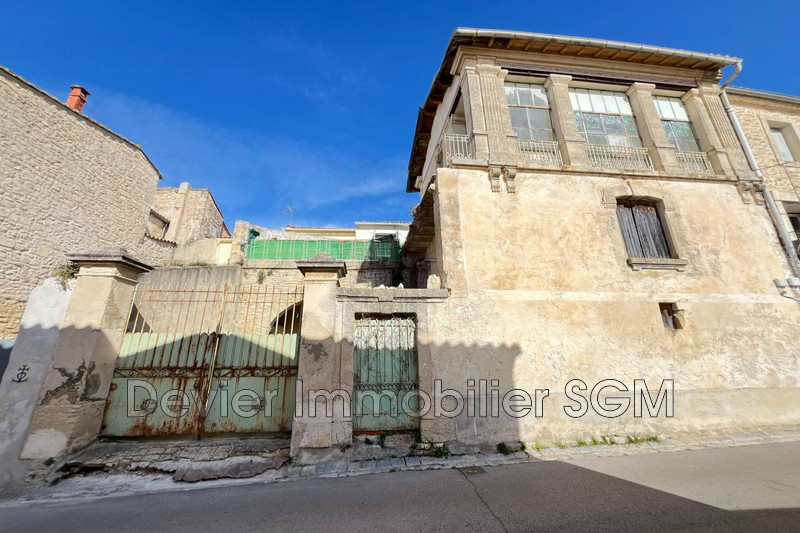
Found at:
(547, 44)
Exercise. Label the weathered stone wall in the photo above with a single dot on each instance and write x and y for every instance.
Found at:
(66, 184)
(755, 116)
(192, 213)
(552, 298)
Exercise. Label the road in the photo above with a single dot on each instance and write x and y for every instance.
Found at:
(746, 488)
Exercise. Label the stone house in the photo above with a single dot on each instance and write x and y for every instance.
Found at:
(69, 184)
(594, 215)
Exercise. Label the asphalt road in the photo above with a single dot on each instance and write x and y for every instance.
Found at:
(748, 488)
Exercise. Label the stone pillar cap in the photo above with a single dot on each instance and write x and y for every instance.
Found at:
(119, 256)
(323, 262)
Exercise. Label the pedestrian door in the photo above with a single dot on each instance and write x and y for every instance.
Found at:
(385, 377)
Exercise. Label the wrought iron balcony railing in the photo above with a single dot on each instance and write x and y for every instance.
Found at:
(694, 162)
(539, 152)
(456, 146)
(619, 157)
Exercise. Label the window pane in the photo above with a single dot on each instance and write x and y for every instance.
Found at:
(597, 101)
(511, 94)
(780, 142)
(519, 117)
(594, 138)
(664, 108)
(539, 119)
(539, 96)
(542, 135)
(617, 140)
(523, 133)
(681, 130)
(593, 123)
(679, 109)
(623, 104)
(579, 121)
(524, 93)
(584, 102)
(630, 125)
(573, 99)
(629, 233)
(613, 124)
(634, 141)
(610, 100)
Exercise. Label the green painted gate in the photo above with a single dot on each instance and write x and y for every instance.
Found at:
(206, 362)
(385, 375)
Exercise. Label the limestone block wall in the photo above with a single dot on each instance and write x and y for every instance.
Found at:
(193, 214)
(755, 116)
(66, 184)
(541, 294)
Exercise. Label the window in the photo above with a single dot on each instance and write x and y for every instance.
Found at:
(677, 125)
(604, 117)
(671, 316)
(530, 111)
(779, 138)
(642, 230)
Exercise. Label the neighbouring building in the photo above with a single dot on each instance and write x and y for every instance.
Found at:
(69, 184)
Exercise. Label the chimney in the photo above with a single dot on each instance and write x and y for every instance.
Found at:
(77, 97)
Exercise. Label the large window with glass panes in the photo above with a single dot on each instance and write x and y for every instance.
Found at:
(530, 111)
(604, 117)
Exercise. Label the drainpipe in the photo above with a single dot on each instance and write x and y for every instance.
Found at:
(748, 152)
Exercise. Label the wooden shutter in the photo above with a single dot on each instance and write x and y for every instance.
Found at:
(629, 232)
(651, 234)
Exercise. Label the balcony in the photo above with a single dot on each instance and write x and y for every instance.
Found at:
(456, 146)
(694, 162)
(619, 157)
(539, 152)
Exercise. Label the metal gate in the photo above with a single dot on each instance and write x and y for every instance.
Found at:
(385, 375)
(206, 361)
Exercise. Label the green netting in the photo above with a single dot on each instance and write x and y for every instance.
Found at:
(359, 250)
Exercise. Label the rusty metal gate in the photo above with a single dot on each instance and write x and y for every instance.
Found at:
(385, 375)
(206, 361)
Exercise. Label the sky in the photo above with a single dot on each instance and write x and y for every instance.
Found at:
(315, 103)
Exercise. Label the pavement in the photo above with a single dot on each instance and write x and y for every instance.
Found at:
(123, 469)
(752, 487)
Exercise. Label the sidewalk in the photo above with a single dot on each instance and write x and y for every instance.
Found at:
(109, 469)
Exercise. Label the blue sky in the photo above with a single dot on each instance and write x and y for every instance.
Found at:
(315, 103)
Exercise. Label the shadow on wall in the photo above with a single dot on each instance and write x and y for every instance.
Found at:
(5, 353)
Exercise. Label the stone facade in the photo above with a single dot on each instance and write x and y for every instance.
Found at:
(66, 184)
(758, 112)
(542, 288)
(192, 214)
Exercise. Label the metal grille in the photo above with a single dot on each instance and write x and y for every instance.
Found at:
(209, 344)
(694, 162)
(385, 371)
(456, 146)
(539, 152)
(619, 157)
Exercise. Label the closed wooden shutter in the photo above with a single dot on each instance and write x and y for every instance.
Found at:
(642, 230)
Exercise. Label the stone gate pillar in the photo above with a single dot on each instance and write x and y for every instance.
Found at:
(317, 366)
(73, 399)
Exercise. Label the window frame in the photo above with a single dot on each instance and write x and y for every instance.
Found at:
(667, 121)
(579, 115)
(789, 138)
(548, 109)
(673, 261)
